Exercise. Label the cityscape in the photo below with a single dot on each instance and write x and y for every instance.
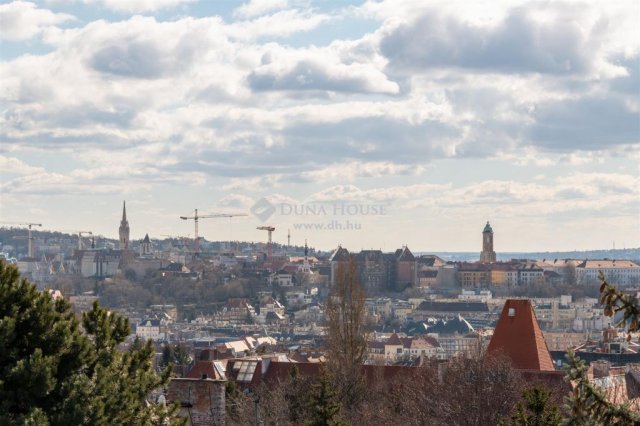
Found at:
(263, 305)
(283, 212)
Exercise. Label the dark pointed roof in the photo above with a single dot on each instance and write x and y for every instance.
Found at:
(340, 255)
(404, 254)
(487, 228)
(394, 340)
(124, 211)
(518, 336)
(146, 239)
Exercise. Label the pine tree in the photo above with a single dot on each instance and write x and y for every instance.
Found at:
(537, 409)
(588, 404)
(55, 371)
(324, 406)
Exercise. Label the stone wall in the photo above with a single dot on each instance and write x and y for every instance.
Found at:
(201, 400)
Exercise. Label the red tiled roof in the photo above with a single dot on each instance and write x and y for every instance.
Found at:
(204, 368)
(394, 340)
(281, 371)
(518, 336)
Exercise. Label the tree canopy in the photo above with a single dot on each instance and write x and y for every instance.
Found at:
(56, 370)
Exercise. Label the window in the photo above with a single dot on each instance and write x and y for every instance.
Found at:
(512, 312)
(246, 370)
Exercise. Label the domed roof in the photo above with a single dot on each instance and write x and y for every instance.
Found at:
(487, 228)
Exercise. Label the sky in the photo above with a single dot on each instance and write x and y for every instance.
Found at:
(371, 124)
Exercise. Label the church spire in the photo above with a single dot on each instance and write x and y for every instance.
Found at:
(123, 231)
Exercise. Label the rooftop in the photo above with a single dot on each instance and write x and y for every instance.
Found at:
(518, 336)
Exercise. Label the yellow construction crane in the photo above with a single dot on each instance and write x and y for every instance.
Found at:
(30, 238)
(196, 217)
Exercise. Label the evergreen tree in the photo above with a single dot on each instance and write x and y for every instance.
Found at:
(588, 404)
(296, 396)
(324, 405)
(537, 409)
(53, 371)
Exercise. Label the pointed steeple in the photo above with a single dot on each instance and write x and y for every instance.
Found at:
(123, 230)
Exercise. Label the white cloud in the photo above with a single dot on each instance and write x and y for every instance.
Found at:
(259, 7)
(235, 201)
(20, 20)
(276, 101)
(280, 24)
(321, 74)
(17, 166)
(137, 6)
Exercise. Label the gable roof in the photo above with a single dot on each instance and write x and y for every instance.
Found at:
(405, 255)
(340, 255)
(394, 340)
(208, 370)
(518, 336)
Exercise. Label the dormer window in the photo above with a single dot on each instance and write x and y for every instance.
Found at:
(512, 312)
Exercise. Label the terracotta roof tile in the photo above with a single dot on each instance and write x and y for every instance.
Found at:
(518, 336)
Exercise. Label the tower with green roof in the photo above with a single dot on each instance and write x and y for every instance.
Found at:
(487, 255)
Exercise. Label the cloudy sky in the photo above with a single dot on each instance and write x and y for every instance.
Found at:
(411, 122)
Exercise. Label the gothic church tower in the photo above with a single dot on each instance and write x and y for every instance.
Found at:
(123, 231)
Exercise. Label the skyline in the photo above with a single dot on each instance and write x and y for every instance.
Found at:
(447, 115)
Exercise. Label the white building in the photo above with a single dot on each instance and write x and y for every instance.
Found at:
(619, 272)
(150, 329)
(282, 278)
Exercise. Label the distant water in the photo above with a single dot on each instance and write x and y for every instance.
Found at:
(629, 254)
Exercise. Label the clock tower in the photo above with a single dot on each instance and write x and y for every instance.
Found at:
(487, 255)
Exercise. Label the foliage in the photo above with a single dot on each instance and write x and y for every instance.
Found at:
(55, 371)
(324, 403)
(614, 301)
(238, 405)
(295, 396)
(346, 334)
(175, 354)
(537, 409)
(588, 404)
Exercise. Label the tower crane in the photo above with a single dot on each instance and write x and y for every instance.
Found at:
(80, 233)
(30, 238)
(270, 230)
(195, 219)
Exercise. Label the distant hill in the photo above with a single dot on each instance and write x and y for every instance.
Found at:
(7, 235)
(630, 253)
